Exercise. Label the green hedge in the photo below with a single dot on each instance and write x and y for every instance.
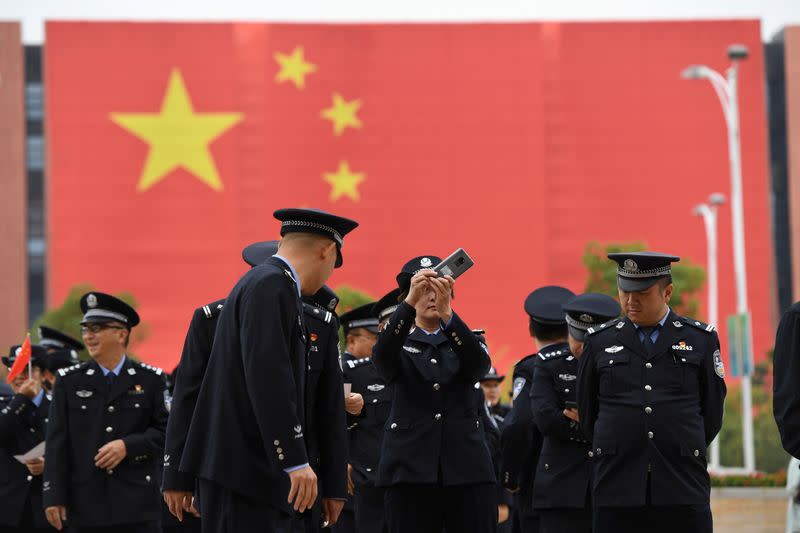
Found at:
(775, 479)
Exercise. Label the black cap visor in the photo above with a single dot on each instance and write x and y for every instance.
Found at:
(636, 285)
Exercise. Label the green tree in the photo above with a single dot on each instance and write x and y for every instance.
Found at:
(688, 278)
(68, 315)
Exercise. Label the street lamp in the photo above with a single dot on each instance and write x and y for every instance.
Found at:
(727, 92)
(709, 213)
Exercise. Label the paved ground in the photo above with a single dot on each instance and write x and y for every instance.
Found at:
(765, 514)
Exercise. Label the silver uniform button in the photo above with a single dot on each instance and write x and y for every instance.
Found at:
(110, 408)
(434, 361)
(546, 466)
(83, 407)
(648, 388)
(109, 429)
(697, 453)
(30, 478)
(566, 390)
(648, 410)
(280, 457)
(649, 434)
(374, 400)
(611, 362)
(276, 442)
(110, 471)
(369, 470)
(648, 365)
(393, 426)
(599, 451)
(591, 454)
(437, 416)
(147, 478)
(33, 430)
(279, 450)
(436, 386)
(136, 405)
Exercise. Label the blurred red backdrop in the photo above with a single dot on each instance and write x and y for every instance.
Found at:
(519, 142)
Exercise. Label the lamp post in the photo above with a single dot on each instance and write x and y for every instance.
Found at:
(709, 213)
(727, 92)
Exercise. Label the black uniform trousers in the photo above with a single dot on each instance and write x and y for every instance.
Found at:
(140, 527)
(525, 523)
(224, 511)
(430, 508)
(368, 509)
(653, 519)
(565, 520)
(347, 520)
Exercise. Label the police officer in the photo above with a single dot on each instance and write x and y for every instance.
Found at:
(521, 440)
(326, 424)
(490, 383)
(106, 431)
(23, 425)
(434, 459)
(561, 491)
(246, 442)
(365, 425)
(62, 351)
(179, 487)
(786, 380)
(651, 390)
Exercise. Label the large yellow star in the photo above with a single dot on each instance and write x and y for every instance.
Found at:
(178, 137)
(342, 114)
(294, 67)
(344, 182)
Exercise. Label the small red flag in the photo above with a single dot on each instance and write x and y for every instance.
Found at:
(22, 360)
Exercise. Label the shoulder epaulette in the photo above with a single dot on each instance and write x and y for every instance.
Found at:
(71, 369)
(289, 275)
(213, 309)
(697, 324)
(605, 325)
(353, 363)
(553, 354)
(154, 369)
(318, 313)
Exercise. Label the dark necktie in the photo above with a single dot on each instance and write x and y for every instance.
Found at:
(111, 377)
(649, 346)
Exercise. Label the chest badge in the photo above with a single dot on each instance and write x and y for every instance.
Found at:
(567, 377)
(84, 393)
(375, 387)
(682, 346)
(314, 337)
(136, 390)
(411, 349)
(614, 349)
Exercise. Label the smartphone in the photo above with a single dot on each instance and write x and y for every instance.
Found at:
(570, 405)
(456, 264)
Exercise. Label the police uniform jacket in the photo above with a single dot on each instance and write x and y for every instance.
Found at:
(85, 415)
(22, 426)
(326, 419)
(651, 415)
(499, 412)
(786, 383)
(521, 440)
(367, 428)
(191, 369)
(434, 433)
(564, 468)
(248, 424)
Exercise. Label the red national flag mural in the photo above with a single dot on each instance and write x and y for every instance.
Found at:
(171, 144)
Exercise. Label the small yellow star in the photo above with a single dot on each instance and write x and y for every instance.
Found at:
(178, 136)
(294, 67)
(342, 114)
(344, 182)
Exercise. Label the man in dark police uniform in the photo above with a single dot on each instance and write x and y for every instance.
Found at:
(246, 442)
(651, 390)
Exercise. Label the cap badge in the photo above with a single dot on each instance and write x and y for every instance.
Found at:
(17, 351)
(631, 265)
(425, 262)
(91, 301)
(586, 318)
